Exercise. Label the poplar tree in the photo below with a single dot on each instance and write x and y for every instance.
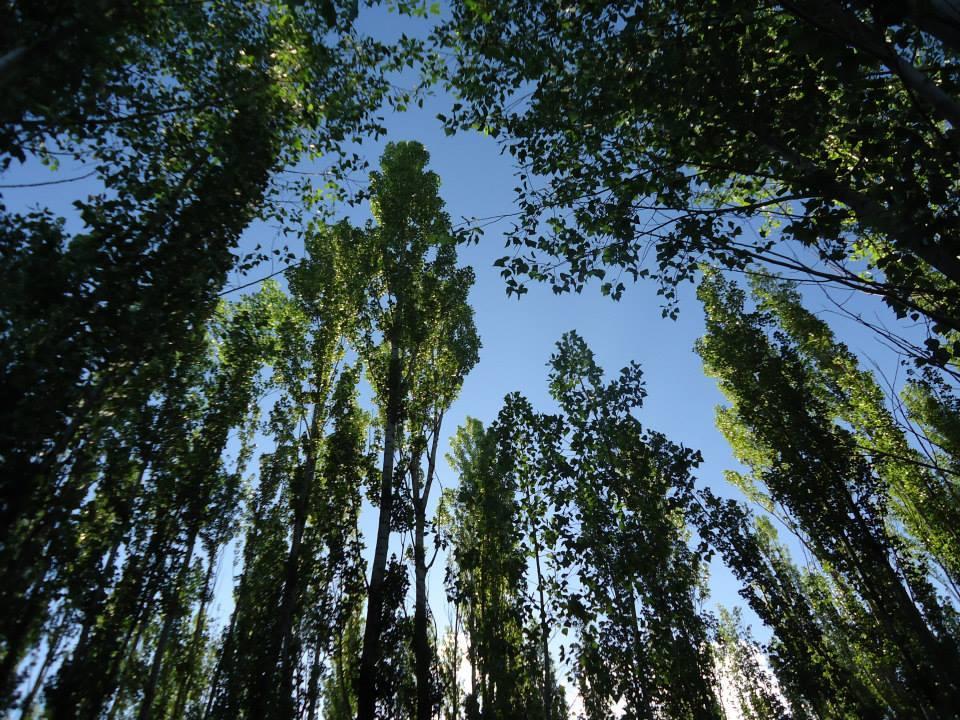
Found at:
(418, 327)
(805, 462)
(445, 355)
(301, 577)
(182, 501)
(487, 579)
(185, 113)
(620, 499)
(923, 495)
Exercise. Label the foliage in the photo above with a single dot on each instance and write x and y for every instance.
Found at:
(807, 468)
(150, 432)
(813, 135)
(185, 112)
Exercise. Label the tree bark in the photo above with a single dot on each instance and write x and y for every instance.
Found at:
(366, 684)
(313, 688)
(26, 706)
(225, 651)
(544, 629)
(288, 603)
(454, 681)
(421, 643)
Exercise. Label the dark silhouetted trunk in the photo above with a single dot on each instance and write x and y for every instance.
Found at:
(186, 682)
(366, 684)
(171, 614)
(421, 643)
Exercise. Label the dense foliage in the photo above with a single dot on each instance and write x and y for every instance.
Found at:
(817, 136)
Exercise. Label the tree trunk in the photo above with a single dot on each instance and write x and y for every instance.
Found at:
(288, 602)
(925, 656)
(172, 612)
(421, 643)
(545, 640)
(313, 688)
(454, 681)
(183, 690)
(9, 62)
(94, 673)
(547, 688)
(366, 684)
(225, 651)
(26, 706)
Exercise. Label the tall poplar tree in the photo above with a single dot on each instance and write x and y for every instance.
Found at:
(487, 579)
(620, 499)
(446, 354)
(301, 576)
(185, 113)
(181, 501)
(417, 341)
(923, 495)
(802, 459)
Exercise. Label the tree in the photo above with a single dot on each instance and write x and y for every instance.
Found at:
(620, 501)
(339, 694)
(923, 495)
(671, 130)
(411, 266)
(180, 495)
(487, 579)
(96, 324)
(820, 671)
(445, 355)
(302, 573)
(595, 509)
(808, 465)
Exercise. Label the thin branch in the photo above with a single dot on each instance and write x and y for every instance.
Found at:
(49, 182)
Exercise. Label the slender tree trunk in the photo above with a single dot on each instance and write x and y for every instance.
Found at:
(9, 62)
(185, 686)
(544, 638)
(313, 688)
(225, 651)
(288, 602)
(344, 671)
(472, 655)
(172, 612)
(18, 640)
(884, 593)
(421, 643)
(130, 648)
(366, 685)
(94, 673)
(546, 690)
(454, 680)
